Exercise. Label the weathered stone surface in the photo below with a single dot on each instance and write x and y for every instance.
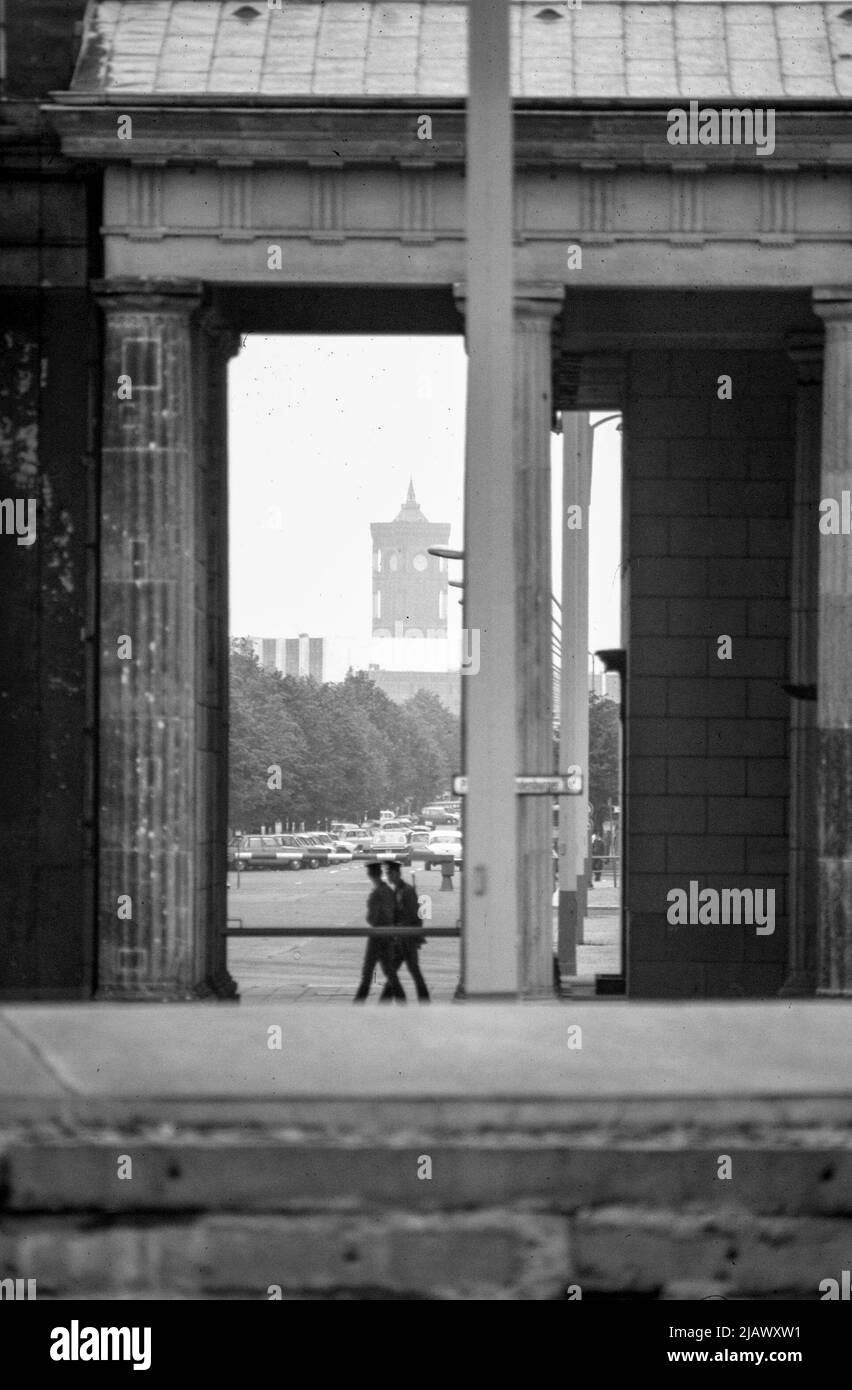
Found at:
(534, 630)
(160, 676)
(834, 662)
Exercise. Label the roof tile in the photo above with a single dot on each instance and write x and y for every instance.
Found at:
(700, 21)
(755, 79)
(660, 49)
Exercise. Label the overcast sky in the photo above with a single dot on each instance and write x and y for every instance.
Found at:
(324, 434)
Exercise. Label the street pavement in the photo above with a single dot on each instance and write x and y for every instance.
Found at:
(311, 968)
(307, 967)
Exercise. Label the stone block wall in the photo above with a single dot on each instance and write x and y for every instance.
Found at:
(528, 1216)
(708, 535)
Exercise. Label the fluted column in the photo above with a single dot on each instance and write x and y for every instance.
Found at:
(535, 310)
(151, 522)
(802, 897)
(834, 662)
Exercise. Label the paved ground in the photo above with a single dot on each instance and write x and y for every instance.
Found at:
(309, 968)
(152, 1062)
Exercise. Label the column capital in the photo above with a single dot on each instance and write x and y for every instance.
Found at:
(226, 338)
(541, 301)
(535, 299)
(132, 294)
(806, 350)
(833, 302)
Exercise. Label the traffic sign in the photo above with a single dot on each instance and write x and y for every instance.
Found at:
(569, 783)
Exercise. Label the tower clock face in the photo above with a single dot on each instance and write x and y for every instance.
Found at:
(420, 561)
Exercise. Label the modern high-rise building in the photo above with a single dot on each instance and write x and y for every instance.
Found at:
(293, 656)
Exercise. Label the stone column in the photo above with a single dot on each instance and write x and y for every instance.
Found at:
(217, 343)
(489, 725)
(535, 310)
(151, 520)
(802, 895)
(834, 661)
(577, 440)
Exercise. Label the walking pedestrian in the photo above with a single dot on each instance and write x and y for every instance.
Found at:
(407, 915)
(597, 856)
(381, 910)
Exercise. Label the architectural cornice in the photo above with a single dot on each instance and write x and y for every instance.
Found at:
(352, 134)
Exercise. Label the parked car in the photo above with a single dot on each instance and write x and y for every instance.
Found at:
(265, 852)
(338, 852)
(316, 854)
(352, 837)
(391, 844)
(438, 813)
(445, 843)
(418, 840)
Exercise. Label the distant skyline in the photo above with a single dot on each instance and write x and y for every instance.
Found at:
(324, 435)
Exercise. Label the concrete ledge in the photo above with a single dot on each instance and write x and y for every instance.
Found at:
(554, 1171)
(200, 1053)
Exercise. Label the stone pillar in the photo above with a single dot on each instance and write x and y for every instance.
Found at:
(152, 522)
(535, 310)
(834, 661)
(217, 343)
(577, 437)
(489, 724)
(802, 895)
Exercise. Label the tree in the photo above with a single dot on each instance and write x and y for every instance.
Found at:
(263, 738)
(344, 750)
(604, 762)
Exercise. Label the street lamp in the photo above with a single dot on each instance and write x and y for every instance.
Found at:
(605, 421)
(443, 553)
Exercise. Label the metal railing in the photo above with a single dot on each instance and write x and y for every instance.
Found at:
(338, 931)
(613, 859)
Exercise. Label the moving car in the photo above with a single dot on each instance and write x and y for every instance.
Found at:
(391, 844)
(445, 843)
(265, 852)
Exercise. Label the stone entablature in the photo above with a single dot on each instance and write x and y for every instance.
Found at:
(224, 187)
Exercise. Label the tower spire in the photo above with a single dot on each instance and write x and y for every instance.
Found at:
(411, 498)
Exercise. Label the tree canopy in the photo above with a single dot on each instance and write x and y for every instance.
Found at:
(344, 750)
(604, 774)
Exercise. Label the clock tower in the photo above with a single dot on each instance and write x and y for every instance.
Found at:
(409, 584)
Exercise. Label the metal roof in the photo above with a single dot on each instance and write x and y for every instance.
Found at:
(415, 49)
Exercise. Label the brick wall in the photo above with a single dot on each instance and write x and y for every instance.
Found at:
(708, 495)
